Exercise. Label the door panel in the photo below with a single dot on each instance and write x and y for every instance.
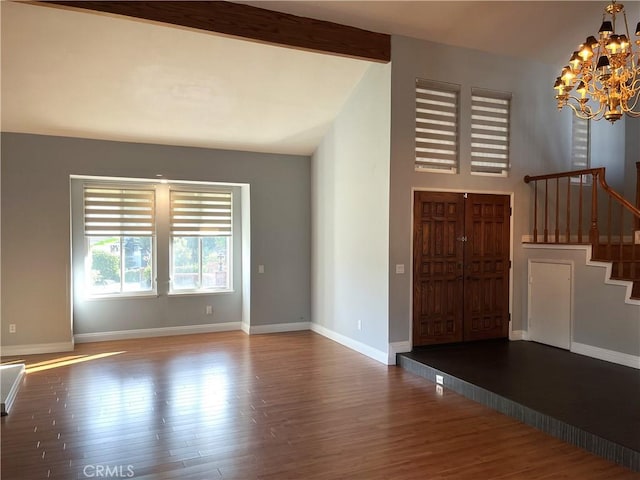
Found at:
(461, 267)
(487, 263)
(437, 268)
(550, 303)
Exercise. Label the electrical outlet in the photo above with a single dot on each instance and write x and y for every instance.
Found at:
(359, 324)
(439, 379)
(208, 310)
(636, 238)
(12, 328)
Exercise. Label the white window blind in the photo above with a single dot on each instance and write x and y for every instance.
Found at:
(436, 126)
(114, 211)
(490, 125)
(580, 147)
(200, 213)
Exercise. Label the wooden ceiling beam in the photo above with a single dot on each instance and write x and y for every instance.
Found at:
(251, 23)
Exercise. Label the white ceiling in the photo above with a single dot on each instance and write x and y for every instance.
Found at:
(540, 30)
(82, 74)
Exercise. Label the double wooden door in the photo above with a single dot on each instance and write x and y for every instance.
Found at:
(460, 267)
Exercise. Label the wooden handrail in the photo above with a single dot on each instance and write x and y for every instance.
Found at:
(624, 207)
(599, 173)
(572, 173)
(605, 186)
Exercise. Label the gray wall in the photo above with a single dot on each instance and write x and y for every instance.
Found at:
(350, 191)
(96, 315)
(601, 318)
(36, 250)
(632, 154)
(540, 143)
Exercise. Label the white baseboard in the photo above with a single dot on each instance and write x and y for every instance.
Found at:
(155, 332)
(359, 347)
(35, 348)
(632, 361)
(519, 335)
(245, 327)
(397, 347)
(13, 374)
(279, 328)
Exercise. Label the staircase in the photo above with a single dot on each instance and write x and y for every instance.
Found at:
(625, 260)
(579, 207)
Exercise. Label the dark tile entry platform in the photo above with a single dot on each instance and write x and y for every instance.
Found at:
(587, 402)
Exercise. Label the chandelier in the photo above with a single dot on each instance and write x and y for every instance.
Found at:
(604, 73)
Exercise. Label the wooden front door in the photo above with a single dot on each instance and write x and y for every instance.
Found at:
(460, 267)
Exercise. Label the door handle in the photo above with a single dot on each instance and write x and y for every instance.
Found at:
(462, 238)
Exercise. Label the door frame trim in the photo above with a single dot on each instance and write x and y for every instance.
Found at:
(511, 195)
(571, 265)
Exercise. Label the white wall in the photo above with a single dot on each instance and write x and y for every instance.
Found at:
(36, 229)
(350, 219)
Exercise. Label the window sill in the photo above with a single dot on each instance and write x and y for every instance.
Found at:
(121, 296)
(198, 293)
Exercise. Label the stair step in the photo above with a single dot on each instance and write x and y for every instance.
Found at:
(625, 270)
(616, 252)
(625, 263)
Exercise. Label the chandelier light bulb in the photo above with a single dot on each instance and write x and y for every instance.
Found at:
(585, 52)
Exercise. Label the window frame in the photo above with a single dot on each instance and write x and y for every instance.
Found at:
(491, 133)
(122, 293)
(440, 133)
(575, 125)
(215, 190)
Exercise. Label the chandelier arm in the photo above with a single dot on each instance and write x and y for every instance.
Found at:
(633, 92)
(587, 114)
(630, 108)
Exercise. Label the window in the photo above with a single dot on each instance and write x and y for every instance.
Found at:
(119, 227)
(436, 127)
(201, 232)
(490, 113)
(580, 148)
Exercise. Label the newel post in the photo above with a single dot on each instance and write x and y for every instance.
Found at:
(594, 234)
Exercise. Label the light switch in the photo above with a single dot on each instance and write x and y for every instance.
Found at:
(400, 268)
(260, 268)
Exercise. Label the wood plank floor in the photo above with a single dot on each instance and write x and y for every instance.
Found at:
(281, 406)
(595, 402)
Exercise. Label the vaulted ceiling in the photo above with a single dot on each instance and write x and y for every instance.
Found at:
(81, 74)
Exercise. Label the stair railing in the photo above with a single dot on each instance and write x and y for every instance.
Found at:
(568, 203)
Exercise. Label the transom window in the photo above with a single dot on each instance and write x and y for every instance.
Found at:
(436, 126)
(580, 148)
(490, 131)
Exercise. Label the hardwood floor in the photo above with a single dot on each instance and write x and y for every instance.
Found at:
(281, 406)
